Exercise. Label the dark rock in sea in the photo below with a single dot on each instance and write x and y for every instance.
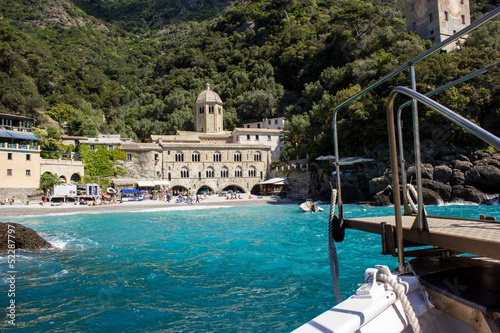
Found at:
(427, 172)
(461, 165)
(441, 189)
(480, 155)
(484, 177)
(382, 198)
(443, 173)
(23, 237)
(468, 193)
(457, 178)
(461, 157)
(378, 184)
(431, 197)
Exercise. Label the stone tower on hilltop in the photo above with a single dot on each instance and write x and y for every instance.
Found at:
(208, 112)
(437, 20)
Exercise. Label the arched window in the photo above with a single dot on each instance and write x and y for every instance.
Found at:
(179, 157)
(210, 173)
(224, 173)
(252, 172)
(217, 157)
(195, 157)
(238, 172)
(257, 156)
(237, 157)
(184, 172)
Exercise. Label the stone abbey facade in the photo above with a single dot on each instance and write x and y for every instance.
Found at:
(208, 159)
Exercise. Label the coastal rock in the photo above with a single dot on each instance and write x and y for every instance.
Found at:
(378, 184)
(480, 155)
(442, 190)
(382, 198)
(461, 165)
(427, 172)
(468, 193)
(23, 237)
(431, 197)
(484, 177)
(443, 173)
(458, 177)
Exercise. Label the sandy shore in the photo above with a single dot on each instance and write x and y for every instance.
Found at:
(68, 208)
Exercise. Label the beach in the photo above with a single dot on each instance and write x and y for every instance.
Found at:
(131, 206)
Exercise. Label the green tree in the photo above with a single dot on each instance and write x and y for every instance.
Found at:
(101, 162)
(48, 180)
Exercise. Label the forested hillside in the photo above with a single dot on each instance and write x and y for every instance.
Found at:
(135, 67)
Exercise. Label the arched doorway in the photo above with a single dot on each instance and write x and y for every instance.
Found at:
(63, 179)
(255, 190)
(234, 189)
(179, 189)
(205, 190)
(75, 178)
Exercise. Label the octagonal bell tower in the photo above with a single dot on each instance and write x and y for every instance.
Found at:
(208, 112)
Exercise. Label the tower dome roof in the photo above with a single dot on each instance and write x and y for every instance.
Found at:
(208, 95)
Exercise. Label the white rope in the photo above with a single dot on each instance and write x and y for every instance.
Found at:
(400, 293)
(332, 251)
(411, 189)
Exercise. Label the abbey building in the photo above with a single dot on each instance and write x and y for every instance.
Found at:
(208, 159)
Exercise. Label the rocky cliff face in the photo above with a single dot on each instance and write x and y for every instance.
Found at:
(448, 176)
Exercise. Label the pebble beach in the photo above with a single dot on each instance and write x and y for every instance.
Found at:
(36, 209)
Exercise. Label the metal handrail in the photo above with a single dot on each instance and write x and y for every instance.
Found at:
(436, 48)
(428, 94)
(445, 112)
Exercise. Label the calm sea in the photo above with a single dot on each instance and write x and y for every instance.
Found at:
(225, 269)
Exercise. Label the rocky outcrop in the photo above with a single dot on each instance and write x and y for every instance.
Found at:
(21, 237)
(455, 176)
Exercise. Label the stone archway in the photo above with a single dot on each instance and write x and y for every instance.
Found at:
(234, 188)
(204, 190)
(75, 178)
(63, 179)
(179, 189)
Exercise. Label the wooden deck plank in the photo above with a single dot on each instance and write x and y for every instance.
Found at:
(463, 235)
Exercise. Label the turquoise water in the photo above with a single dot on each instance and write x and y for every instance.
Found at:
(227, 269)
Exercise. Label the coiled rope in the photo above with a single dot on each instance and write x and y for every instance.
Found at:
(385, 276)
(332, 251)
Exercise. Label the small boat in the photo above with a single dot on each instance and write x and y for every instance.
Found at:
(310, 206)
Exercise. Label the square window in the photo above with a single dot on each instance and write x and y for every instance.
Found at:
(257, 137)
(28, 157)
(9, 172)
(28, 173)
(110, 147)
(129, 157)
(9, 156)
(92, 147)
(248, 137)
